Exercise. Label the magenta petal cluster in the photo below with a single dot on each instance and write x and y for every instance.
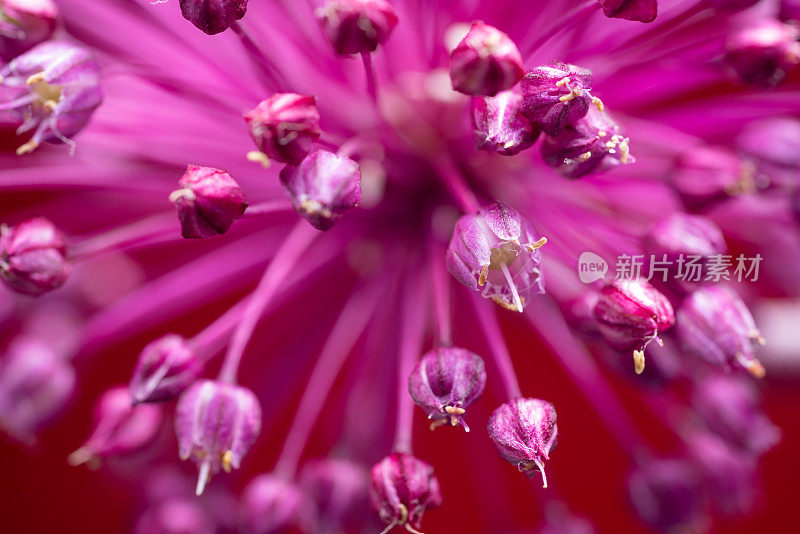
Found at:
(24, 24)
(338, 491)
(763, 52)
(357, 26)
(33, 257)
(285, 126)
(485, 62)
(445, 381)
(638, 10)
(667, 495)
(213, 16)
(208, 201)
(524, 431)
(216, 423)
(165, 368)
(402, 488)
(556, 95)
(271, 505)
(499, 126)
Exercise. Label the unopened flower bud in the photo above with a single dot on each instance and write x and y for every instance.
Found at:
(24, 24)
(175, 516)
(496, 252)
(213, 16)
(445, 381)
(706, 174)
(687, 235)
(498, 126)
(357, 26)
(216, 423)
(53, 89)
(638, 10)
(119, 427)
(773, 147)
(630, 314)
(165, 368)
(338, 489)
(556, 95)
(271, 505)
(323, 187)
(716, 326)
(209, 201)
(485, 62)
(285, 126)
(763, 52)
(402, 488)
(33, 257)
(524, 432)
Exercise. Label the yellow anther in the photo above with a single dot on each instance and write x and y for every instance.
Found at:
(483, 275)
(598, 103)
(638, 361)
(562, 81)
(259, 157)
(537, 244)
(27, 148)
(35, 78)
(508, 305)
(586, 155)
(227, 460)
(455, 410)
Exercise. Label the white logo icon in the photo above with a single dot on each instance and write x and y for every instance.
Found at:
(591, 267)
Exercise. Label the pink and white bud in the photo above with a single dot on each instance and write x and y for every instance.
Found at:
(556, 95)
(338, 490)
(175, 516)
(209, 201)
(323, 187)
(165, 368)
(637, 10)
(763, 52)
(33, 257)
(496, 251)
(707, 174)
(402, 488)
(271, 505)
(285, 126)
(24, 24)
(357, 26)
(216, 423)
(445, 381)
(213, 16)
(485, 62)
(524, 431)
(498, 126)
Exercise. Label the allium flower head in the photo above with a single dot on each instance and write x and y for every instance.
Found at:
(271, 505)
(33, 258)
(165, 368)
(285, 126)
(24, 24)
(213, 16)
(357, 26)
(208, 200)
(485, 62)
(556, 95)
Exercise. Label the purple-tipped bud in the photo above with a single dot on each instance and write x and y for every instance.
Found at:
(638, 10)
(498, 126)
(271, 505)
(338, 490)
(323, 187)
(485, 62)
(119, 428)
(213, 16)
(524, 432)
(165, 368)
(445, 381)
(24, 24)
(53, 89)
(216, 423)
(35, 385)
(708, 174)
(285, 126)
(209, 201)
(763, 52)
(357, 26)
(556, 95)
(33, 257)
(496, 252)
(682, 234)
(630, 314)
(730, 408)
(175, 516)
(716, 326)
(790, 11)
(594, 144)
(402, 488)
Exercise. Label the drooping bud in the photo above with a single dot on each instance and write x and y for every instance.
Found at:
(556, 95)
(594, 144)
(708, 174)
(213, 16)
(485, 62)
(24, 24)
(175, 516)
(53, 89)
(496, 252)
(445, 381)
(638, 10)
(682, 234)
(338, 489)
(716, 326)
(35, 385)
(357, 26)
(216, 423)
(285, 126)
(498, 126)
(323, 187)
(763, 52)
(209, 201)
(165, 368)
(271, 505)
(402, 488)
(524, 432)
(119, 428)
(33, 257)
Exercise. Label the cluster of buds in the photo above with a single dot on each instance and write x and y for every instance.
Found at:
(271, 504)
(763, 52)
(209, 201)
(165, 368)
(213, 16)
(637, 10)
(485, 62)
(357, 26)
(33, 258)
(284, 127)
(24, 24)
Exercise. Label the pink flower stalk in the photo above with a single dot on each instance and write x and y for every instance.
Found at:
(33, 257)
(357, 26)
(209, 201)
(485, 62)
(24, 24)
(285, 126)
(165, 368)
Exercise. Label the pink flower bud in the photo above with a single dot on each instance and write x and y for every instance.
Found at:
(271, 505)
(338, 490)
(496, 251)
(763, 52)
(33, 257)
(323, 187)
(485, 62)
(402, 488)
(119, 427)
(525, 431)
(209, 201)
(682, 234)
(216, 423)
(175, 516)
(213, 16)
(556, 95)
(285, 126)
(165, 368)
(24, 24)
(357, 26)
(706, 174)
(445, 381)
(638, 10)
(773, 147)
(498, 126)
